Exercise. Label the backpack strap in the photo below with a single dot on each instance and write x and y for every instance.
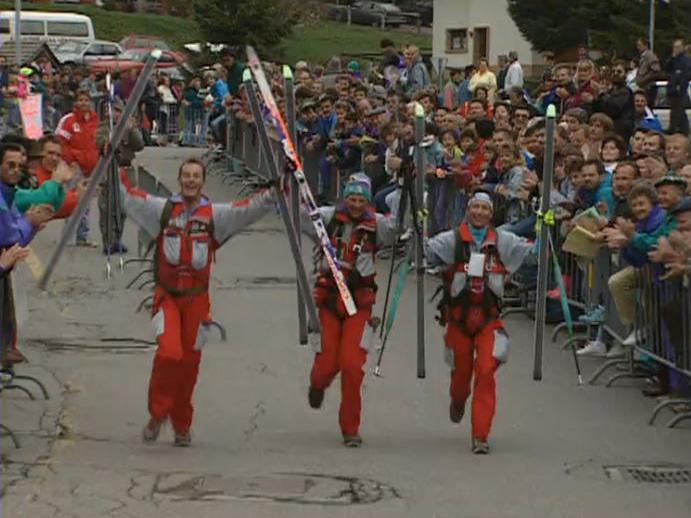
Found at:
(461, 253)
(165, 215)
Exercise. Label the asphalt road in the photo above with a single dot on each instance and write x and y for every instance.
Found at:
(260, 451)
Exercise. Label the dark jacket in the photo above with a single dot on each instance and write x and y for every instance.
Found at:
(618, 104)
(235, 77)
(679, 70)
(621, 208)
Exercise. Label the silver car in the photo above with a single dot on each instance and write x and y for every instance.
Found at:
(83, 52)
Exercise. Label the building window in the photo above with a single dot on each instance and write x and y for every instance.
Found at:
(457, 41)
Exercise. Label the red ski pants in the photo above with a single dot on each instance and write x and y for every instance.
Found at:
(176, 364)
(475, 355)
(341, 352)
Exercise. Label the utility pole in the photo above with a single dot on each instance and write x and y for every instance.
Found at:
(651, 26)
(18, 32)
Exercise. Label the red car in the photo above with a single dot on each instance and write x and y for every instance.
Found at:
(135, 58)
(138, 42)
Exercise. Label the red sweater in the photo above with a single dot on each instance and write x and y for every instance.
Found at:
(79, 140)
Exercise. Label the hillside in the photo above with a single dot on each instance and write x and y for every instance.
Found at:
(313, 42)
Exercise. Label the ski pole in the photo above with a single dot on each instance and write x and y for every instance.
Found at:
(542, 231)
(565, 308)
(289, 87)
(416, 203)
(400, 217)
(109, 181)
(117, 206)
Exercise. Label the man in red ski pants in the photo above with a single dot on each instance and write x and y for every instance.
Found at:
(356, 231)
(477, 257)
(188, 229)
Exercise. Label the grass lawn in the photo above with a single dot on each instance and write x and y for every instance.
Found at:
(315, 43)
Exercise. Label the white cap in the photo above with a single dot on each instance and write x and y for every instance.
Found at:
(481, 197)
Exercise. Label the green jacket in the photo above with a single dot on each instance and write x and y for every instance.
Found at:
(646, 242)
(51, 193)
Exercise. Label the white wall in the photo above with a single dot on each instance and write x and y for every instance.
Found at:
(468, 14)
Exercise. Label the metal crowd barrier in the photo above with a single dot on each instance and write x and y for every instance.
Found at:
(168, 124)
(243, 150)
(194, 126)
(663, 325)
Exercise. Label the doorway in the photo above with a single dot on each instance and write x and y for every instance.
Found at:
(480, 43)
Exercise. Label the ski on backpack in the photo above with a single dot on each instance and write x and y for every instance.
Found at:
(297, 170)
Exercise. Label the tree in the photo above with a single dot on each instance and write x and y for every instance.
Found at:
(611, 26)
(260, 23)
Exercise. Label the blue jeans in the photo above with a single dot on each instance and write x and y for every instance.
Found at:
(522, 228)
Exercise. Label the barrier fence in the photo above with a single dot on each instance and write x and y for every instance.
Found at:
(181, 124)
(663, 318)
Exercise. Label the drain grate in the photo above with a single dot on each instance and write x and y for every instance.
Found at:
(650, 474)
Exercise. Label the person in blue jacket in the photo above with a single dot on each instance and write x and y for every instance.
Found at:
(16, 230)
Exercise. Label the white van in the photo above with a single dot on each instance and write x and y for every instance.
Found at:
(49, 27)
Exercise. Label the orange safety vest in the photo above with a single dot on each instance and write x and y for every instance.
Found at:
(185, 250)
(474, 304)
(362, 240)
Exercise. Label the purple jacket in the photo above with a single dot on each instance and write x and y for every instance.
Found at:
(649, 225)
(14, 227)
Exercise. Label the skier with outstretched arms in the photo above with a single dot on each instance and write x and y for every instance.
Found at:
(476, 259)
(188, 228)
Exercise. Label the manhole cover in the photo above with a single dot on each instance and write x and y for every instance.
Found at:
(297, 488)
(649, 474)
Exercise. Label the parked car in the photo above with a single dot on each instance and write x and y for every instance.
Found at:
(138, 41)
(661, 108)
(424, 9)
(135, 58)
(53, 28)
(369, 13)
(82, 53)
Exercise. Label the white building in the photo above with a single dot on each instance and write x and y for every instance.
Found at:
(466, 30)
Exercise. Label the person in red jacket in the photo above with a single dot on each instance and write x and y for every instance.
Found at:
(51, 160)
(356, 232)
(188, 230)
(77, 130)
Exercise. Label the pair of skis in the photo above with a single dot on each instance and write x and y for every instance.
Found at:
(295, 164)
(102, 166)
(113, 208)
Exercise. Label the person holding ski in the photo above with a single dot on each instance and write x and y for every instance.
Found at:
(188, 228)
(132, 142)
(356, 232)
(476, 257)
